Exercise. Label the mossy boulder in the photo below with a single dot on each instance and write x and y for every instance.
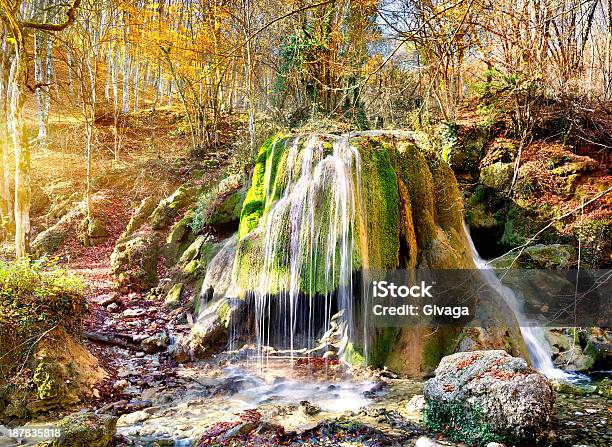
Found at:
(179, 238)
(63, 205)
(193, 250)
(173, 298)
(581, 349)
(604, 388)
(226, 208)
(540, 256)
(93, 232)
(169, 208)
(497, 175)
(141, 214)
(408, 215)
(211, 331)
(489, 396)
(134, 261)
(575, 167)
(50, 240)
(463, 145)
(573, 389)
(500, 150)
(86, 429)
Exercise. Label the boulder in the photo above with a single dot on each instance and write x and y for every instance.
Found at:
(226, 208)
(463, 145)
(563, 387)
(179, 238)
(134, 261)
(141, 214)
(156, 343)
(193, 250)
(173, 298)
(211, 328)
(169, 208)
(540, 256)
(605, 388)
(86, 429)
(489, 396)
(93, 232)
(50, 240)
(497, 175)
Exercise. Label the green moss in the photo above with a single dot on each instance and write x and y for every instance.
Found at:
(255, 200)
(224, 312)
(353, 355)
(382, 344)
(173, 298)
(460, 422)
(439, 344)
(44, 379)
(497, 175)
(380, 192)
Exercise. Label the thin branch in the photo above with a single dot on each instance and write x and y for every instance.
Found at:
(53, 27)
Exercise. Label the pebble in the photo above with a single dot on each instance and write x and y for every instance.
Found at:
(591, 411)
(113, 307)
(426, 442)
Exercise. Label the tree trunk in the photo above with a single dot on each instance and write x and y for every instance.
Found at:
(22, 155)
(5, 198)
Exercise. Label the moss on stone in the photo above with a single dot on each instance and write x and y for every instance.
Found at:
(45, 381)
(173, 298)
(255, 200)
(353, 356)
(460, 423)
(169, 208)
(380, 191)
(497, 175)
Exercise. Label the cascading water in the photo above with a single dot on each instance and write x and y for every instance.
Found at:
(539, 349)
(308, 233)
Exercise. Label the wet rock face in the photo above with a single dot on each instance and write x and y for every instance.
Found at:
(489, 396)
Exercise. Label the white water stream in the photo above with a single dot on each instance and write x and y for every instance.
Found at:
(539, 349)
(309, 222)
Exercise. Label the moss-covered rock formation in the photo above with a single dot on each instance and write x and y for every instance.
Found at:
(404, 210)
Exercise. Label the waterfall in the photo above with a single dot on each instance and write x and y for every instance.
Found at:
(308, 241)
(538, 347)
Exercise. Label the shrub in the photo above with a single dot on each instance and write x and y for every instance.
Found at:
(35, 297)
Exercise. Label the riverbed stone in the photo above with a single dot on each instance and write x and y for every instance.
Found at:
(86, 429)
(488, 396)
(605, 388)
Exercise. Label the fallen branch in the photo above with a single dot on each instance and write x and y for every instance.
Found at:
(119, 340)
